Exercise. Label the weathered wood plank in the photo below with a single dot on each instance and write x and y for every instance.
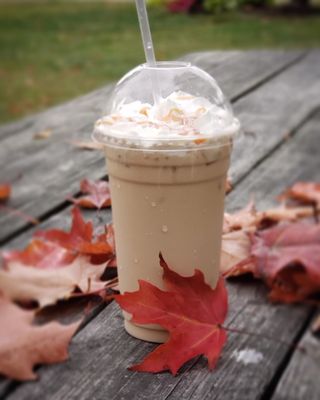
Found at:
(301, 378)
(44, 172)
(242, 80)
(272, 112)
(101, 352)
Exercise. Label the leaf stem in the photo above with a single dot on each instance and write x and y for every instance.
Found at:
(20, 214)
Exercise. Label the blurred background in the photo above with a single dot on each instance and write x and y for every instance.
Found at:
(52, 51)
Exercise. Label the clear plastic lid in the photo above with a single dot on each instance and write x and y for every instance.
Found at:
(189, 109)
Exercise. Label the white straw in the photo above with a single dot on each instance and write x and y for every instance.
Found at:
(148, 46)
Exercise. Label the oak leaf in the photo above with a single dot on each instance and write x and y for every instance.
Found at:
(287, 258)
(24, 283)
(5, 191)
(23, 345)
(308, 192)
(80, 239)
(98, 194)
(190, 310)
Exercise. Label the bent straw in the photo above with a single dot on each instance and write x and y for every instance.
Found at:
(148, 46)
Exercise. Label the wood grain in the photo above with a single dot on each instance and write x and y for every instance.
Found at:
(301, 377)
(101, 352)
(44, 172)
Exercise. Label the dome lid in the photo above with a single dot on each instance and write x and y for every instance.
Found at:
(191, 109)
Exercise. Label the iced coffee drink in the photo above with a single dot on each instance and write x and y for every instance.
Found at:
(167, 165)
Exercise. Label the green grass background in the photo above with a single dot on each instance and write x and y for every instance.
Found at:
(53, 51)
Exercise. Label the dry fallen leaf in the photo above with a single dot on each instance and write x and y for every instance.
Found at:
(287, 258)
(86, 145)
(235, 253)
(46, 286)
(80, 239)
(5, 191)
(41, 254)
(98, 194)
(308, 192)
(190, 310)
(316, 325)
(23, 345)
(228, 185)
(44, 134)
(249, 218)
(244, 218)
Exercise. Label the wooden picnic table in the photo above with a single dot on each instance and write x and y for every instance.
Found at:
(276, 95)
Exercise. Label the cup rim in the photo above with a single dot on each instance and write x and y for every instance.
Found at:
(162, 65)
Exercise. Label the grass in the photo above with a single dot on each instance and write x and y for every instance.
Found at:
(54, 51)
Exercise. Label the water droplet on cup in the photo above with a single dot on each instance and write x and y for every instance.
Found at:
(135, 261)
(118, 186)
(153, 204)
(195, 251)
(164, 228)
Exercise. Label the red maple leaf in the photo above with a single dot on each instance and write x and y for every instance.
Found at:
(287, 257)
(190, 310)
(80, 238)
(5, 191)
(41, 254)
(108, 237)
(308, 192)
(99, 194)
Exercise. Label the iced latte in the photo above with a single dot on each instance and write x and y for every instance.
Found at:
(167, 165)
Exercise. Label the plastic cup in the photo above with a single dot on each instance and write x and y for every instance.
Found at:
(167, 189)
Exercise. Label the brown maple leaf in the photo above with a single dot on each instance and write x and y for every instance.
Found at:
(23, 345)
(316, 325)
(250, 219)
(244, 218)
(98, 194)
(5, 191)
(190, 310)
(236, 249)
(235, 254)
(287, 258)
(80, 239)
(41, 254)
(228, 185)
(24, 283)
(307, 192)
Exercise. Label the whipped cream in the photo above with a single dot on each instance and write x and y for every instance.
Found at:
(177, 120)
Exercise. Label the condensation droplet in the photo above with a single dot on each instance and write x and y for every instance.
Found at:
(195, 251)
(164, 228)
(135, 261)
(118, 185)
(153, 204)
